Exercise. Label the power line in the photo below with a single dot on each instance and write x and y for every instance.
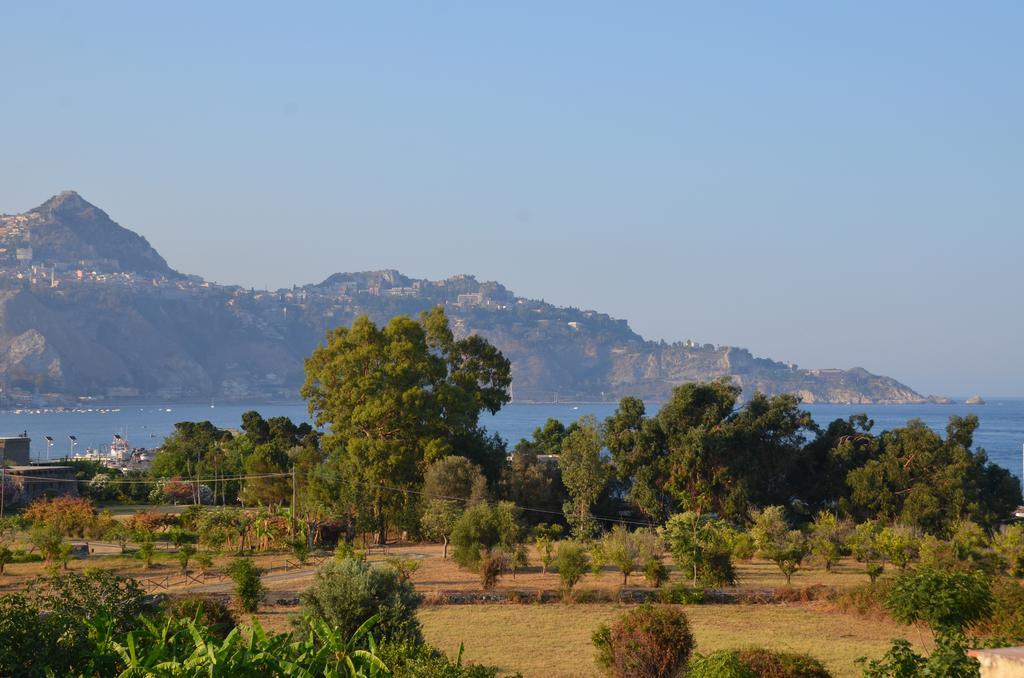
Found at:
(164, 481)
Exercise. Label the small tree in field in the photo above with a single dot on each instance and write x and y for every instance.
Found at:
(439, 518)
(571, 563)
(701, 546)
(864, 545)
(544, 538)
(898, 544)
(6, 556)
(828, 534)
(185, 553)
(47, 540)
(68, 516)
(146, 550)
(249, 589)
(622, 549)
(777, 542)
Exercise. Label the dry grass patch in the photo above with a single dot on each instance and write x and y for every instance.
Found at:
(554, 640)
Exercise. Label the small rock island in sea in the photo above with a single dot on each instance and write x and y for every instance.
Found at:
(975, 400)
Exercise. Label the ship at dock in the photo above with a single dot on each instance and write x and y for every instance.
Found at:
(120, 455)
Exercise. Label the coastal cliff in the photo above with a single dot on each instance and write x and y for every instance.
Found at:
(89, 309)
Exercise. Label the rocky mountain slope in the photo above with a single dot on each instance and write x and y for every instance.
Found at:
(95, 311)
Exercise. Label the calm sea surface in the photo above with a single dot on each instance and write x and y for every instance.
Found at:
(1001, 432)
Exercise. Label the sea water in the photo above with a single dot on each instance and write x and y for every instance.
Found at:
(1001, 432)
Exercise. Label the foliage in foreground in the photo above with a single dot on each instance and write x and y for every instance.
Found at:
(753, 662)
(652, 641)
(96, 624)
(948, 602)
(347, 592)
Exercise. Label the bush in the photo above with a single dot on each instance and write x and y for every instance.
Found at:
(92, 594)
(46, 630)
(571, 563)
(1007, 618)
(681, 594)
(412, 660)
(721, 664)
(652, 641)
(346, 593)
(655, 572)
(249, 589)
(772, 664)
(946, 601)
(491, 565)
(206, 611)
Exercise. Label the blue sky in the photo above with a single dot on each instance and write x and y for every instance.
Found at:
(835, 184)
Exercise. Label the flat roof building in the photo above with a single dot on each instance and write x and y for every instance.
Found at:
(28, 483)
(15, 450)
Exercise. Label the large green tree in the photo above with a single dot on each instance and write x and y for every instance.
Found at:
(395, 399)
(584, 473)
(919, 479)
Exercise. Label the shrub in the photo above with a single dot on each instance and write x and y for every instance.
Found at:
(94, 593)
(146, 549)
(544, 537)
(185, 553)
(6, 556)
(249, 589)
(491, 565)
(346, 593)
(1007, 618)
(414, 660)
(764, 662)
(681, 594)
(1009, 546)
(946, 601)
(742, 545)
(474, 532)
(622, 549)
(655, 572)
(602, 640)
(721, 664)
(827, 537)
(210, 612)
(571, 563)
(204, 560)
(899, 544)
(651, 641)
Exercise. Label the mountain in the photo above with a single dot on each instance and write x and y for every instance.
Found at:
(68, 231)
(89, 309)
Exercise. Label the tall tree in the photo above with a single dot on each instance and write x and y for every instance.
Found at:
(398, 397)
(584, 473)
(921, 480)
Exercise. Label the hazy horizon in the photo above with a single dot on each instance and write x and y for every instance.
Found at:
(836, 186)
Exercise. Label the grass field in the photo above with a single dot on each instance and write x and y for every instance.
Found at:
(554, 640)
